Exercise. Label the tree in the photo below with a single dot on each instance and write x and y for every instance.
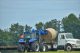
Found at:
(1, 34)
(53, 24)
(16, 28)
(27, 28)
(15, 31)
(72, 24)
(6, 38)
(39, 25)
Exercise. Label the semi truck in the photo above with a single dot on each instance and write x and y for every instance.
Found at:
(48, 39)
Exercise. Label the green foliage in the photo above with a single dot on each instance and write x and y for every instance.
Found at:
(1, 33)
(53, 24)
(39, 25)
(28, 28)
(72, 24)
(16, 28)
(6, 38)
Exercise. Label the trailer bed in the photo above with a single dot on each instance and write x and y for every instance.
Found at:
(8, 47)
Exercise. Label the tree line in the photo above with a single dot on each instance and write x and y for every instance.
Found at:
(70, 23)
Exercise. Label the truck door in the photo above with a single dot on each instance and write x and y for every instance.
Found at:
(61, 40)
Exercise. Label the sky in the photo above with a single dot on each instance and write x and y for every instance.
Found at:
(31, 12)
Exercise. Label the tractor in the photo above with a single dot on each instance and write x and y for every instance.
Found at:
(32, 42)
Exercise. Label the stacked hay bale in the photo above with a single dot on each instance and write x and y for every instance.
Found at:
(50, 37)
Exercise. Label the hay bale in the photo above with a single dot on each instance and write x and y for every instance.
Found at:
(52, 33)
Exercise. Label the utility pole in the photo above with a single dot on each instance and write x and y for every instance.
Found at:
(58, 26)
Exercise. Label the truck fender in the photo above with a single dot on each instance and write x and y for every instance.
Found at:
(32, 40)
(66, 47)
(67, 44)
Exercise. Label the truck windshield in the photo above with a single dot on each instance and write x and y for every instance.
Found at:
(69, 36)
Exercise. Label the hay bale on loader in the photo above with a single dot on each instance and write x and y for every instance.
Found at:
(52, 33)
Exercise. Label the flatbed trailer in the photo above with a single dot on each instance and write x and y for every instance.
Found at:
(8, 47)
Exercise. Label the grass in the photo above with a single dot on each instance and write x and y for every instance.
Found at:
(60, 51)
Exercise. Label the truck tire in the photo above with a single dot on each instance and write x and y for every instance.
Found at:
(68, 48)
(21, 48)
(35, 47)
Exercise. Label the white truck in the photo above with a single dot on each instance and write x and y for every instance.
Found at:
(66, 41)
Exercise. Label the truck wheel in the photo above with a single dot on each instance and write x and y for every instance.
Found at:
(35, 47)
(21, 48)
(68, 48)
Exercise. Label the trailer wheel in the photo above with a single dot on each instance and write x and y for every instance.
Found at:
(21, 48)
(28, 49)
(43, 48)
(68, 48)
(54, 47)
(35, 47)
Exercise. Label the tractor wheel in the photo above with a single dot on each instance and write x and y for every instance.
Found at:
(28, 49)
(35, 47)
(21, 48)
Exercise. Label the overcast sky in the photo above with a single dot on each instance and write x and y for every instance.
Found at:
(33, 11)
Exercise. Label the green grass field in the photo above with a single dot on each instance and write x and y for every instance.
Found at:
(60, 51)
(56, 52)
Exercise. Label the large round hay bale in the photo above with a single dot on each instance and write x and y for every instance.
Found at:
(52, 33)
